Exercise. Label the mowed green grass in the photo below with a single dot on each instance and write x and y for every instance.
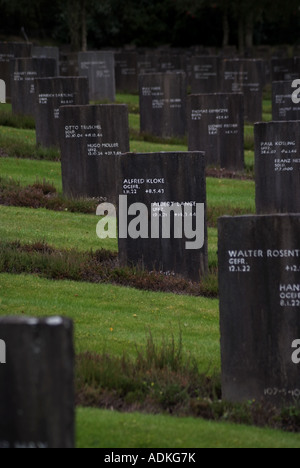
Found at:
(116, 319)
(110, 429)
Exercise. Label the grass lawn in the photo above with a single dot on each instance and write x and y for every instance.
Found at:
(109, 429)
(104, 315)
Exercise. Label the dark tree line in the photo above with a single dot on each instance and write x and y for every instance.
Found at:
(98, 23)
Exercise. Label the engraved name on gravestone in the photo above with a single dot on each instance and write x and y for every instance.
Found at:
(164, 182)
(99, 68)
(37, 383)
(90, 139)
(205, 74)
(9, 51)
(277, 167)
(216, 126)
(163, 98)
(23, 75)
(247, 77)
(283, 107)
(126, 71)
(51, 94)
(259, 283)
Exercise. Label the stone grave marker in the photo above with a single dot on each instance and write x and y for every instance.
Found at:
(147, 62)
(205, 77)
(126, 71)
(9, 51)
(99, 68)
(23, 75)
(47, 52)
(171, 188)
(285, 69)
(90, 139)
(247, 77)
(163, 98)
(37, 401)
(68, 64)
(259, 283)
(277, 167)
(283, 107)
(51, 94)
(216, 126)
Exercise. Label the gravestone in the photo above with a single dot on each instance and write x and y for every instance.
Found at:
(90, 139)
(51, 94)
(247, 77)
(163, 183)
(277, 167)
(283, 107)
(285, 69)
(9, 51)
(205, 77)
(68, 64)
(259, 284)
(126, 71)
(163, 98)
(99, 68)
(23, 75)
(47, 52)
(147, 62)
(2, 92)
(216, 126)
(37, 383)
(171, 62)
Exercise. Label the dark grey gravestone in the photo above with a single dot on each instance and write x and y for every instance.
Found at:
(283, 107)
(247, 77)
(9, 51)
(170, 62)
(51, 94)
(46, 52)
(99, 68)
(259, 283)
(37, 403)
(216, 126)
(147, 62)
(277, 167)
(163, 181)
(163, 98)
(24, 72)
(205, 77)
(285, 69)
(68, 64)
(126, 71)
(91, 137)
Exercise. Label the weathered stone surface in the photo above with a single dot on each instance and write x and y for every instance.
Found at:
(161, 181)
(247, 77)
(259, 282)
(283, 107)
(51, 94)
(205, 74)
(37, 403)
(91, 138)
(23, 75)
(99, 68)
(9, 51)
(216, 126)
(163, 99)
(277, 167)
